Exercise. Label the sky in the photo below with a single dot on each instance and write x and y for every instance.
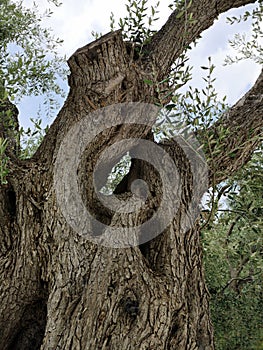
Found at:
(74, 21)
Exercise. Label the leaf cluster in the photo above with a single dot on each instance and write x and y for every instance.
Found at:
(29, 61)
(233, 259)
(31, 138)
(138, 24)
(197, 108)
(29, 65)
(248, 48)
(3, 162)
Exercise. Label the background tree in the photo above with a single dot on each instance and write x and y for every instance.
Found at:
(233, 260)
(60, 290)
(29, 65)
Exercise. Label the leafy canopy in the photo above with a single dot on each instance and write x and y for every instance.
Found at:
(233, 259)
(29, 65)
(29, 61)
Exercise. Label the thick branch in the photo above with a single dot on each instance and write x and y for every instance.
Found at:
(178, 32)
(230, 142)
(237, 134)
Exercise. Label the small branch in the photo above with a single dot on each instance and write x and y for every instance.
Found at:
(237, 133)
(242, 265)
(215, 203)
(236, 279)
(231, 228)
(232, 211)
(221, 192)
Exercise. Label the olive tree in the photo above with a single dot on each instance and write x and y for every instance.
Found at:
(80, 273)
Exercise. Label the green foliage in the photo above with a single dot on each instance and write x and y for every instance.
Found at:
(29, 60)
(32, 138)
(237, 318)
(179, 5)
(137, 26)
(96, 35)
(248, 47)
(3, 162)
(233, 260)
(197, 108)
(29, 65)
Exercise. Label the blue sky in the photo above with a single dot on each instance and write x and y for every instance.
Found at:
(75, 19)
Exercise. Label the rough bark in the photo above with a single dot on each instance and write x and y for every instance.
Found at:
(59, 290)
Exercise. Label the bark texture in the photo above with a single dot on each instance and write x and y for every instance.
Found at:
(59, 290)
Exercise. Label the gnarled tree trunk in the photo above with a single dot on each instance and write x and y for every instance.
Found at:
(60, 290)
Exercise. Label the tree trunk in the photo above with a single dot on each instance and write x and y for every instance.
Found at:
(62, 289)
